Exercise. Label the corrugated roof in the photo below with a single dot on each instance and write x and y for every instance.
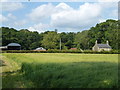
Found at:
(103, 46)
(13, 44)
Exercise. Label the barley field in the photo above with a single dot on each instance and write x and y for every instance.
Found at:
(59, 70)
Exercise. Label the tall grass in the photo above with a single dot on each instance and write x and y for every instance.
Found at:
(44, 70)
(72, 75)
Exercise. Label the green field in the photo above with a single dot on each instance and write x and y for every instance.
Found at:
(59, 70)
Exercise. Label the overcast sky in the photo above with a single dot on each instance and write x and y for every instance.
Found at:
(64, 16)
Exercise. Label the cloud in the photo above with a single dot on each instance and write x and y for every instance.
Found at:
(114, 13)
(62, 7)
(3, 18)
(9, 19)
(108, 0)
(39, 27)
(11, 6)
(45, 11)
(11, 16)
(13, 0)
(109, 9)
(85, 16)
(66, 17)
(60, 0)
(102, 20)
(42, 12)
(62, 15)
(20, 23)
(4, 0)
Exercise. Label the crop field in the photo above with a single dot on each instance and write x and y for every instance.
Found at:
(59, 70)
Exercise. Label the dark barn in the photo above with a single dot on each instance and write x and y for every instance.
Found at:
(14, 46)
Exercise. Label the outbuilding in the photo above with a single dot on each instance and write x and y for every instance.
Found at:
(14, 46)
(3, 47)
(40, 49)
(73, 48)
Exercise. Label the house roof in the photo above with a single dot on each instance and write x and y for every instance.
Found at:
(103, 46)
(13, 44)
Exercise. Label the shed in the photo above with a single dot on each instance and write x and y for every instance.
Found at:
(40, 49)
(3, 47)
(14, 46)
(73, 48)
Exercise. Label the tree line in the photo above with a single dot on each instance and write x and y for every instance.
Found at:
(51, 39)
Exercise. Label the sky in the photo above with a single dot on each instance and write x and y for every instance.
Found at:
(74, 16)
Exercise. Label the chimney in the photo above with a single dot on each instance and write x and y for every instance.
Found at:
(107, 42)
(96, 42)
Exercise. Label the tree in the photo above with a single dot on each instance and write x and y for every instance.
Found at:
(51, 40)
(82, 40)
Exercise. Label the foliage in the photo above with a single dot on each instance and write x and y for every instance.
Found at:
(104, 31)
(51, 39)
(67, 40)
(28, 40)
(82, 40)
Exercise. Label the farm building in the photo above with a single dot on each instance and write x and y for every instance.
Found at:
(40, 49)
(73, 48)
(3, 47)
(100, 47)
(14, 46)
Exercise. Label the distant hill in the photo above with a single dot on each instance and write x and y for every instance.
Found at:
(85, 40)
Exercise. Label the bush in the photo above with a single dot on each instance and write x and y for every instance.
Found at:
(22, 51)
(63, 51)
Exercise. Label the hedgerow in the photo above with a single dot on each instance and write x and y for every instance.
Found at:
(62, 51)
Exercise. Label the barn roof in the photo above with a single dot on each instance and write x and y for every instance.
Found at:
(13, 44)
(40, 48)
(103, 46)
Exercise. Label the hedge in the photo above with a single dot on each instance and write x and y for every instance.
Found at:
(62, 51)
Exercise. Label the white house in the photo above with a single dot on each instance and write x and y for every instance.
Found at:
(101, 47)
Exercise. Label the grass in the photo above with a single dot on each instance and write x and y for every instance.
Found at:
(60, 70)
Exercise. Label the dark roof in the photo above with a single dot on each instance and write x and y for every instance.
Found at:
(103, 46)
(13, 44)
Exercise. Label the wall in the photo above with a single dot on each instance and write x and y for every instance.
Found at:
(105, 49)
(95, 48)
